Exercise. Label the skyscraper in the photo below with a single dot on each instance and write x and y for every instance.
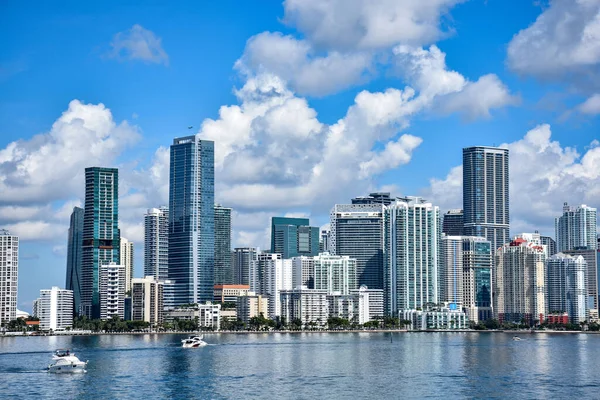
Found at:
(486, 194)
(453, 223)
(357, 232)
(74, 254)
(576, 228)
(566, 286)
(335, 273)
(549, 243)
(223, 268)
(413, 259)
(9, 271)
(591, 258)
(192, 219)
(156, 243)
(127, 256)
(273, 275)
(244, 259)
(293, 237)
(101, 242)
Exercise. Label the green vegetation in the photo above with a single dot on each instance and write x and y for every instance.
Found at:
(20, 325)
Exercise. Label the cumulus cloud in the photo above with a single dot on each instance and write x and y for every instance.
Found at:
(138, 43)
(591, 106)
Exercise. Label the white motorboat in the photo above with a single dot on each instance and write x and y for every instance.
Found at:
(193, 341)
(516, 338)
(65, 362)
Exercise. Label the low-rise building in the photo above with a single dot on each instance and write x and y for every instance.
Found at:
(229, 293)
(112, 291)
(54, 309)
(147, 300)
(208, 315)
(311, 306)
(251, 306)
(558, 318)
(439, 319)
(374, 303)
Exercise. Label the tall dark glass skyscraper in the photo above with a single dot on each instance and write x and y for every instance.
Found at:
(485, 194)
(192, 219)
(74, 256)
(101, 241)
(453, 223)
(223, 258)
(293, 237)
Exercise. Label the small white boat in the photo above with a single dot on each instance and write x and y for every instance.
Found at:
(193, 341)
(66, 362)
(516, 338)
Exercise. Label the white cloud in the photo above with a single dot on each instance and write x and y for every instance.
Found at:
(138, 43)
(395, 153)
(591, 106)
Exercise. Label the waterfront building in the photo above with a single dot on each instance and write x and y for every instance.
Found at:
(549, 243)
(466, 275)
(576, 228)
(591, 257)
(223, 267)
(383, 198)
(273, 275)
(292, 237)
(112, 291)
(352, 307)
(486, 194)
(453, 223)
(74, 254)
(156, 243)
(303, 272)
(192, 219)
(324, 243)
(311, 306)
(244, 259)
(442, 318)
(54, 309)
(147, 300)
(557, 318)
(566, 286)
(334, 273)
(250, 306)
(375, 301)
(127, 256)
(208, 315)
(9, 273)
(357, 232)
(519, 282)
(128, 308)
(229, 293)
(413, 259)
(100, 242)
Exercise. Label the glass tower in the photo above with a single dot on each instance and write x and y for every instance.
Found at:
(74, 250)
(101, 241)
(485, 194)
(293, 237)
(192, 220)
(453, 223)
(576, 228)
(156, 243)
(223, 258)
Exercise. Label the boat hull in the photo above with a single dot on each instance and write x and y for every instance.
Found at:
(74, 368)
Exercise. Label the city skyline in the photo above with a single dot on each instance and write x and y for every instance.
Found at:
(291, 140)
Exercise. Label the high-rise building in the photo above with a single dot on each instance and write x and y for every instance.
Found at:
(55, 309)
(192, 219)
(549, 243)
(112, 291)
(156, 243)
(357, 232)
(311, 306)
(293, 237)
(9, 271)
(273, 275)
(591, 258)
(566, 286)
(466, 275)
(101, 242)
(147, 300)
(519, 282)
(223, 269)
(453, 223)
(576, 228)
(127, 255)
(486, 195)
(413, 259)
(375, 301)
(243, 260)
(375, 198)
(335, 273)
(324, 243)
(74, 253)
(251, 306)
(303, 272)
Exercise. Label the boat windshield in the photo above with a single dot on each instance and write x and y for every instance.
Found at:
(61, 352)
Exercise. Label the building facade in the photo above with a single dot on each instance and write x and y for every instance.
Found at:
(293, 237)
(192, 219)
(486, 194)
(576, 228)
(251, 306)
(223, 267)
(244, 259)
(311, 306)
(453, 223)
(147, 300)
(549, 243)
(74, 254)
(273, 275)
(375, 301)
(127, 256)
(156, 243)
(9, 273)
(55, 309)
(439, 319)
(303, 272)
(112, 291)
(591, 258)
(207, 314)
(229, 293)
(334, 273)
(566, 286)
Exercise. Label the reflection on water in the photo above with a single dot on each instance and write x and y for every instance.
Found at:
(319, 365)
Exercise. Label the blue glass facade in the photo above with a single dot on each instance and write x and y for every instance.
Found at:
(191, 220)
(292, 237)
(74, 256)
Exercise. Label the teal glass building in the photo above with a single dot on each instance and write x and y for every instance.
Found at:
(74, 256)
(223, 256)
(293, 237)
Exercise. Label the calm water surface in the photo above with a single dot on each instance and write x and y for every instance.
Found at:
(308, 366)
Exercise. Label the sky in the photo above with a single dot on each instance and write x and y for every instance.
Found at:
(309, 102)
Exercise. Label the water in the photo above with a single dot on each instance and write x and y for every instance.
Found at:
(307, 366)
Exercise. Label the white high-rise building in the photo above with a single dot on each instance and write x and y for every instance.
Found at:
(311, 306)
(413, 260)
(112, 291)
(335, 273)
(9, 272)
(576, 228)
(127, 261)
(147, 298)
(519, 282)
(156, 243)
(374, 303)
(566, 286)
(54, 308)
(273, 275)
(303, 272)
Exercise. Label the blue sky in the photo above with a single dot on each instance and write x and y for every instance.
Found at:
(309, 103)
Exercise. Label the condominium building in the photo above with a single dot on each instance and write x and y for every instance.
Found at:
(357, 232)
(311, 306)
(519, 282)
(101, 242)
(324, 243)
(244, 259)
(192, 219)
(486, 194)
(413, 259)
(229, 293)
(223, 267)
(453, 223)
(9, 272)
(54, 309)
(549, 243)
(591, 257)
(466, 275)
(273, 275)
(292, 237)
(251, 306)
(112, 291)
(566, 286)
(375, 301)
(442, 318)
(208, 315)
(335, 273)
(74, 254)
(576, 228)
(127, 256)
(303, 272)
(147, 298)
(156, 243)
